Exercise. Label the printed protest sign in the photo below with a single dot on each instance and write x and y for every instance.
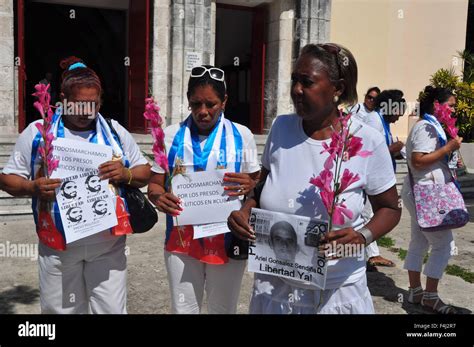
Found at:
(86, 205)
(85, 202)
(204, 198)
(287, 246)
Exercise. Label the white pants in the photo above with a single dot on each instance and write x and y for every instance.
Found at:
(84, 279)
(372, 250)
(188, 277)
(441, 242)
(272, 295)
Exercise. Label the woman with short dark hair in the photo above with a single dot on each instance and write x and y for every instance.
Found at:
(204, 141)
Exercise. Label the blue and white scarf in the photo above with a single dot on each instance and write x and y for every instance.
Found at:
(102, 135)
(442, 138)
(388, 136)
(223, 149)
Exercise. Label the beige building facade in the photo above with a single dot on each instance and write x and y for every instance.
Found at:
(148, 46)
(399, 44)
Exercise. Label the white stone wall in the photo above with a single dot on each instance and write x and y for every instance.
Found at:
(8, 114)
(281, 22)
(313, 22)
(192, 30)
(159, 67)
(291, 25)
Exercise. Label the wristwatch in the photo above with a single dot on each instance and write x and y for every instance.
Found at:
(367, 234)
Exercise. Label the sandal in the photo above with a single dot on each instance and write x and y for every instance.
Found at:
(380, 261)
(438, 306)
(415, 295)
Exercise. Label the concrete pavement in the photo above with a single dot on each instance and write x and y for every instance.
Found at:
(148, 287)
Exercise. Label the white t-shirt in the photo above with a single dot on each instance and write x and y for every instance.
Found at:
(423, 138)
(250, 162)
(293, 158)
(19, 162)
(371, 118)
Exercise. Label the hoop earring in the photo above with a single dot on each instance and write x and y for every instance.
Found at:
(335, 99)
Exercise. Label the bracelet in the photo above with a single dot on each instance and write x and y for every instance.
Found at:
(367, 235)
(130, 176)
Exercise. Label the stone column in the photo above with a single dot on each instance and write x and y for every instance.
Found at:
(159, 69)
(291, 25)
(192, 23)
(312, 23)
(278, 64)
(8, 111)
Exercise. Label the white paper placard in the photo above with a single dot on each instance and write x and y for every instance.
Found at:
(204, 198)
(193, 59)
(287, 246)
(78, 156)
(86, 205)
(206, 230)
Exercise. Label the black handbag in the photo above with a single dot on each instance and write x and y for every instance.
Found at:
(143, 214)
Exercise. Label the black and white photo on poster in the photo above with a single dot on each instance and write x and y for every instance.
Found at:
(86, 205)
(288, 246)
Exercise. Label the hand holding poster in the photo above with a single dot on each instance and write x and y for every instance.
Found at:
(78, 157)
(86, 205)
(85, 202)
(287, 246)
(204, 198)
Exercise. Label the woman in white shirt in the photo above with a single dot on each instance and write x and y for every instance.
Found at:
(198, 144)
(90, 274)
(325, 75)
(427, 153)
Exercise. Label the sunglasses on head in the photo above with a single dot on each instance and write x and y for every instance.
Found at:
(333, 49)
(214, 72)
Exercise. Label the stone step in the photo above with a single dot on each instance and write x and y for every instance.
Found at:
(468, 192)
(8, 200)
(14, 212)
(466, 180)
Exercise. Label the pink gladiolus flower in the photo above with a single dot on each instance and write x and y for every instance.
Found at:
(158, 134)
(327, 197)
(40, 127)
(354, 148)
(323, 181)
(443, 112)
(340, 210)
(162, 160)
(44, 108)
(335, 147)
(41, 152)
(347, 179)
(342, 147)
(52, 165)
(152, 114)
(344, 119)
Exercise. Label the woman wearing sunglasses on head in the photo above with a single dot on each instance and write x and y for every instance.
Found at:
(195, 145)
(324, 76)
